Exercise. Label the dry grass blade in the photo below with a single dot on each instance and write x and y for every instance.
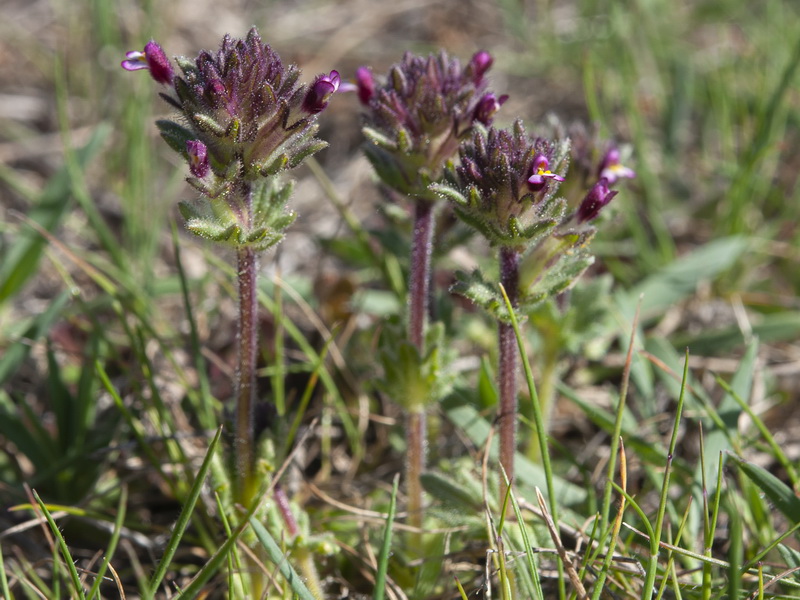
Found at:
(572, 573)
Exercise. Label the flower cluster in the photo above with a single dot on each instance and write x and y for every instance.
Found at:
(506, 183)
(244, 119)
(506, 187)
(417, 117)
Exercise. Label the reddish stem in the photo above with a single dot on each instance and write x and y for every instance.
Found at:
(246, 368)
(419, 291)
(420, 275)
(507, 371)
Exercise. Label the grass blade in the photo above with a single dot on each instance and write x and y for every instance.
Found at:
(383, 557)
(62, 546)
(21, 260)
(112, 544)
(184, 518)
(277, 556)
(6, 593)
(781, 494)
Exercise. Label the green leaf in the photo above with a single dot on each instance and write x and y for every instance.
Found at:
(449, 193)
(378, 139)
(208, 125)
(782, 495)
(412, 380)
(454, 495)
(175, 135)
(680, 278)
(556, 279)
(465, 416)
(302, 153)
(481, 292)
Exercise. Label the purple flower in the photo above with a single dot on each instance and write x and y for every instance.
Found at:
(611, 169)
(198, 158)
(488, 105)
(595, 200)
(480, 63)
(152, 58)
(540, 173)
(365, 83)
(320, 92)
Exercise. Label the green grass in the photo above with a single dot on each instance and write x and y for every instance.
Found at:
(668, 474)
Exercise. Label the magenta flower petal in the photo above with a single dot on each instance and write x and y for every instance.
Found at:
(488, 105)
(365, 83)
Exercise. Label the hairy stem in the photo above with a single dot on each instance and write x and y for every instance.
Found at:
(419, 289)
(420, 275)
(246, 369)
(508, 367)
(415, 463)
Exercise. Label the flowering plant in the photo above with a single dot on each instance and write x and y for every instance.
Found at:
(244, 118)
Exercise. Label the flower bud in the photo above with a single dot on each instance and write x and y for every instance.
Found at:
(320, 92)
(595, 200)
(480, 63)
(365, 84)
(152, 58)
(198, 158)
(488, 105)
